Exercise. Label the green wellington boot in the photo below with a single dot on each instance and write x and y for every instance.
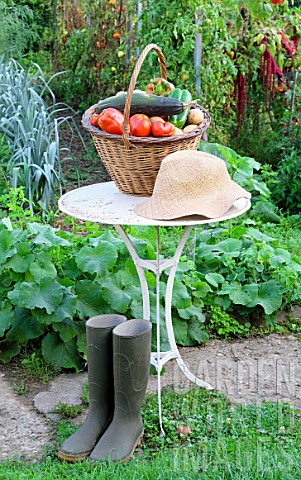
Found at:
(101, 388)
(131, 358)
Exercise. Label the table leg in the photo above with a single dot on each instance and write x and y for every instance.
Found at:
(140, 270)
(168, 317)
(158, 358)
(158, 324)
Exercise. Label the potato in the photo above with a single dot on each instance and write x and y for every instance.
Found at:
(178, 131)
(156, 119)
(189, 128)
(195, 116)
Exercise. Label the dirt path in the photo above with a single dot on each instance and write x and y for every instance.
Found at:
(266, 368)
(23, 432)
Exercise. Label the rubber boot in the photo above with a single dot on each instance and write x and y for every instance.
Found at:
(101, 388)
(131, 354)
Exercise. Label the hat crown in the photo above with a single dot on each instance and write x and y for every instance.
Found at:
(190, 173)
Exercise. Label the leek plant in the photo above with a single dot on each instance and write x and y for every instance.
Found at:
(31, 129)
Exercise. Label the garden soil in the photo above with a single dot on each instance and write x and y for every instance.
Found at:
(258, 369)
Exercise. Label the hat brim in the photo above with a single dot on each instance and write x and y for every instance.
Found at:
(211, 206)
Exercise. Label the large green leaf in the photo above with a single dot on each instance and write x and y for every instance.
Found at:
(214, 149)
(279, 257)
(61, 354)
(48, 294)
(116, 297)
(189, 332)
(71, 269)
(89, 300)
(136, 309)
(266, 211)
(164, 343)
(192, 311)
(255, 234)
(6, 317)
(201, 289)
(269, 297)
(7, 247)
(242, 295)
(126, 277)
(142, 246)
(19, 263)
(230, 245)
(108, 237)
(6, 280)
(24, 328)
(9, 350)
(46, 235)
(97, 259)
(205, 252)
(180, 328)
(42, 267)
(153, 310)
(67, 329)
(214, 279)
(81, 341)
(180, 295)
(142, 236)
(196, 332)
(66, 309)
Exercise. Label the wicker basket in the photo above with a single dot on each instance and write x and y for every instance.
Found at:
(133, 162)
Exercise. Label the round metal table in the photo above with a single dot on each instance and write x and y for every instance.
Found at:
(104, 203)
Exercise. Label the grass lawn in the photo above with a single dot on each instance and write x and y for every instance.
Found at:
(226, 442)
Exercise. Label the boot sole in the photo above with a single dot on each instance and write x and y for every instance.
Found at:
(138, 443)
(66, 457)
(70, 457)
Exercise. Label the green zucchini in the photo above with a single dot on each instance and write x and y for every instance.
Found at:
(151, 105)
(185, 97)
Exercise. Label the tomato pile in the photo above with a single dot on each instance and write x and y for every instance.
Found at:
(111, 121)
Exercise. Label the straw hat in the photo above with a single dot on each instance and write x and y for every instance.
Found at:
(191, 183)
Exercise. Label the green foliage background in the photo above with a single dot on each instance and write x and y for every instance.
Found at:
(52, 281)
(96, 44)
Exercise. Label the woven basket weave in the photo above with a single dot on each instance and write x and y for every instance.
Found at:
(133, 162)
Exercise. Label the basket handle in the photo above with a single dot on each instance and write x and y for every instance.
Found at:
(128, 103)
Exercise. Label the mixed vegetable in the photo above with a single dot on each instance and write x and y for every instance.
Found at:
(160, 86)
(162, 111)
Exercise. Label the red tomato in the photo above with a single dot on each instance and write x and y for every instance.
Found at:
(277, 2)
(94, 119)
(140, 125)
(111, 120)
(165, 129)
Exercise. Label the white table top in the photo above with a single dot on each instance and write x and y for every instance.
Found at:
(104, 203)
